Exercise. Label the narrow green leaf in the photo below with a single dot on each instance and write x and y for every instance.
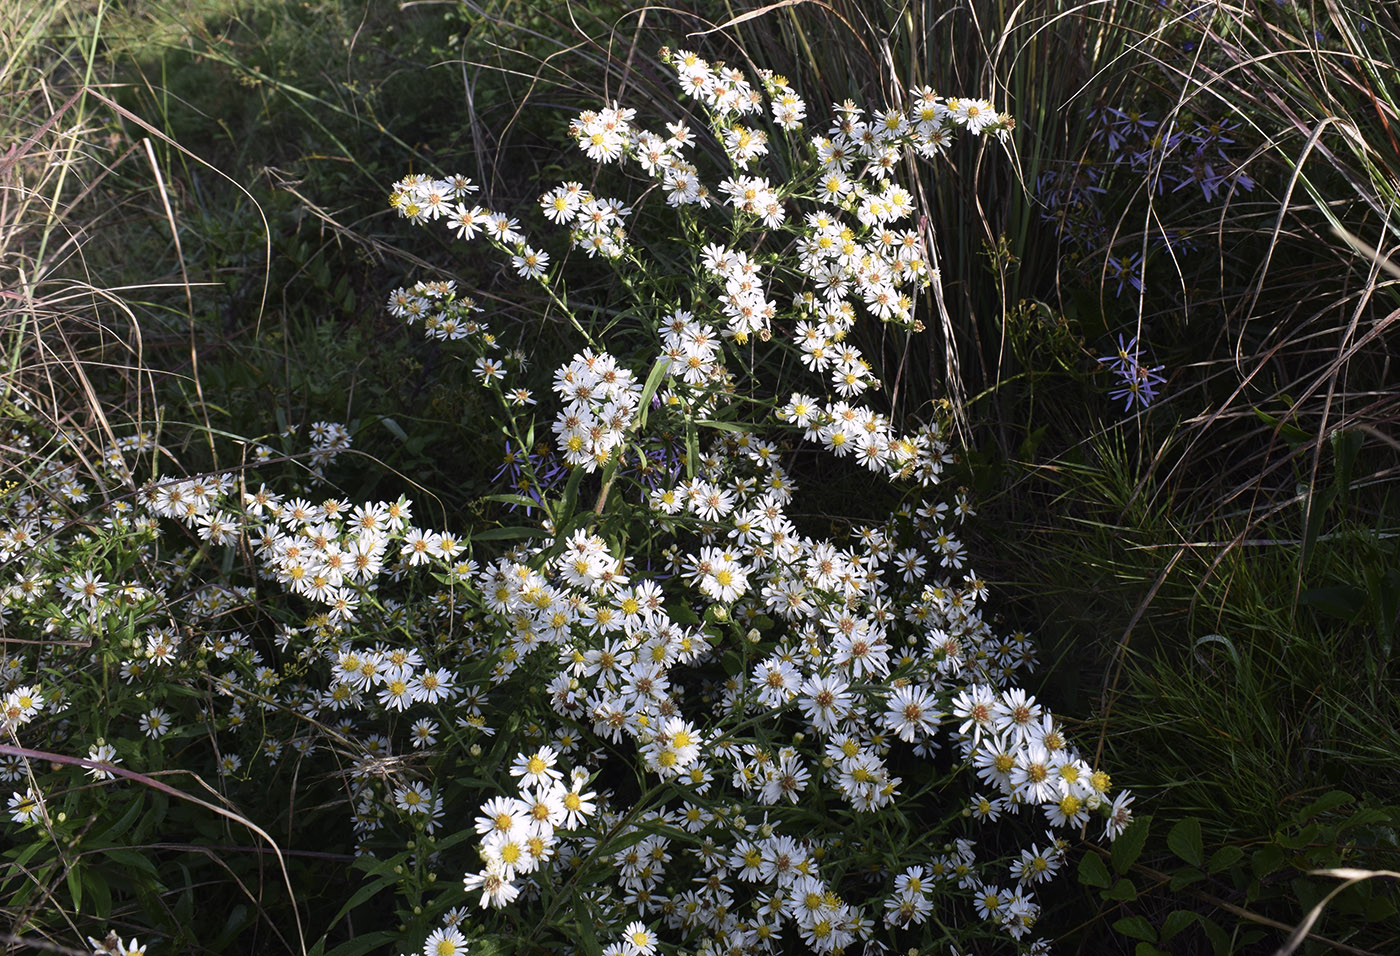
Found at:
(653, 382)
(96, 887)
(588, 939)
(503, 534)
(131, 860)
(394, 428)
(570, 500)
(692, 449)
(363, 895)
(513, 500)
(381, 941)
(722, 426)
(1315, 508)
(74, 878)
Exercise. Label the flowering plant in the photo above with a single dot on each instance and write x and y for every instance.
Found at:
(679, 712)
(761, 808)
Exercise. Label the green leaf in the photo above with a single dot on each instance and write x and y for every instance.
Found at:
(570, 501)
(1219, 939)
(381, 941)
(130, 860)
(513, 500)
(1092, 872)
(1185, 877)
(74, 878)
(1328, 801)
(1128, 847)
(1266, 859)
(1346, 445)
(1290, 433)
(363, 895)
(1122, 890)
(683, 613)
(692, 449)
(122, 827)
(723, 426)
(1176, 921)
(1138, 927)
(653, 382)
(95, 885)
(1385, 602)
(1380, 908)
(1315, 508)
(1185, 841)
(588, 939)
(503, 534)
(394, 428)
(1342, 601)
(1224, 858)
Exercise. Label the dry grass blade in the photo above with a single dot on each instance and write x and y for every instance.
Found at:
(1350, 877)
(154, 784)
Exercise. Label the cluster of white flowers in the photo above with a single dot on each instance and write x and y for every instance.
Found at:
(601, 402)
(445, 314)
(856, 642)
(518, 833)
(20, 706)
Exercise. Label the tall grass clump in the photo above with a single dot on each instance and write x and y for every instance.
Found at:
(1227, 511)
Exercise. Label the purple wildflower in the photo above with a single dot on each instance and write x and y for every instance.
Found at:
(1138, 382)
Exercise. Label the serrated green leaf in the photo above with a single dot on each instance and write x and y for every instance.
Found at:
(1138, 927)
(1224, 858)
(1122, 890)
(1176, 921)
(1185, 841)
(1219, 939)
(1185, 876)
(1128, 847)
(1266, 859)
(1092, 872)
(1328, 801)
